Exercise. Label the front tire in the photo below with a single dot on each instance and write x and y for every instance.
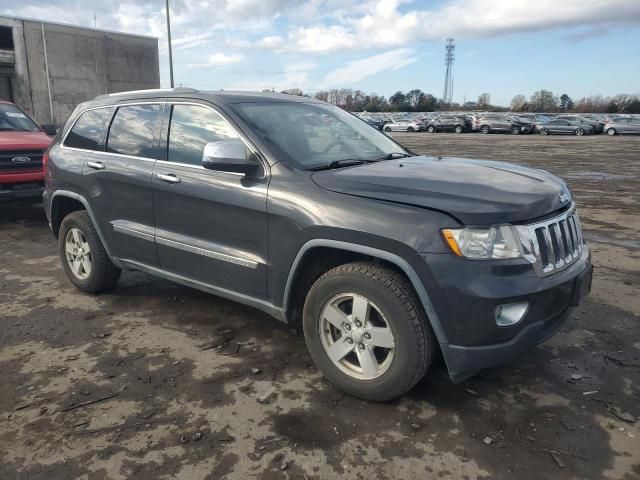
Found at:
(484, 129)
(579, 132)
(410, 130)
(431, 129)
(366, 331)
(515, 130)
(611, 132)
(387, 129)
(84, 258)
(544, 131)
(458, 129)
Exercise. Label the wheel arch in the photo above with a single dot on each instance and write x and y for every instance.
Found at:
(341, 252)
(64, 202)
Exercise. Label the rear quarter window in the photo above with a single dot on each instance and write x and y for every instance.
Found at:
(133, 130)
(86, 132)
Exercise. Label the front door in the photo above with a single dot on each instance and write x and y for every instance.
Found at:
(118, 178)
(211, 226)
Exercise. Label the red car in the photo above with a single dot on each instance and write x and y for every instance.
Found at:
(22, 146)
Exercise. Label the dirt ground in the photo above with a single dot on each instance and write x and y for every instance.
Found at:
(156, 380)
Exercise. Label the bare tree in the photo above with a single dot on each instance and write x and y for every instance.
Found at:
(484, 100)
(518, 102)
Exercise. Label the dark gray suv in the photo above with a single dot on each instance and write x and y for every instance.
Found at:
(297, 208)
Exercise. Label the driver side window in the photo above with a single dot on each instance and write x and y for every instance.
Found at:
(191, 128)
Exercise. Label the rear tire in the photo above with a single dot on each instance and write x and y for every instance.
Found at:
(579, 132)
(387, 129)
(410, 130)
(351, 358)
(544, 131)
(515, 130)
(611, 132)
(458, 129)
(431, 129)
(485, 129)
(84, 258)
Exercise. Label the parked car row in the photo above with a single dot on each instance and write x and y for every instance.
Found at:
(512, 123)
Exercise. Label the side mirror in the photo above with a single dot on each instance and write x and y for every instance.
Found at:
(229, 156)
(49, 129)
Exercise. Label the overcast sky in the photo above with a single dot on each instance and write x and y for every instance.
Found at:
(503, 47)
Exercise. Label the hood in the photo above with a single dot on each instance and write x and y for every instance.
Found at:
(24, 140)
(476, 192)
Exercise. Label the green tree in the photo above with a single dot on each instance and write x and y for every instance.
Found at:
(397, 99)
(566, 103)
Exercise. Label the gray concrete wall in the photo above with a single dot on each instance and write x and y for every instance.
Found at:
(20, 82)
(83, 63)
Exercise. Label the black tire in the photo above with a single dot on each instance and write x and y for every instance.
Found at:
(544, 131)
(410, 130)
(431, 129)
(611, 132)
(414, 341)
(485, 129)
(387, 129)
(515, 130)
(458, 129)
(104, 274)
(579, 131)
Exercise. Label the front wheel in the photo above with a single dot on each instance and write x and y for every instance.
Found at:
(544, 131)
(84, 258)
(387, 129)
(410, 130)
(579, 132)
(459, 129)
(431, 129)
(611, 132)
(515, 130)
(366, 331)
(484, 129)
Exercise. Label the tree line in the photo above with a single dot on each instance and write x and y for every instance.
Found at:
(416, 100)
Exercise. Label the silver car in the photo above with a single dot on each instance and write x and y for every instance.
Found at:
(403, 127)
(622, 125)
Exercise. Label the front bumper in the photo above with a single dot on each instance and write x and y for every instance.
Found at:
(467, 293)
(21, 185)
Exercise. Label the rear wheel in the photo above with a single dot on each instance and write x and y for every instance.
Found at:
(366, 332)
(484, 129)
(458, 129)
(84, 259)
(387, 129)
(411, 130)
(431, 129)
(544, 131)
(515, 130)
(611, 132)
(579, 132)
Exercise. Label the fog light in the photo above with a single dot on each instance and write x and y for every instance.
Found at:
(511, 313)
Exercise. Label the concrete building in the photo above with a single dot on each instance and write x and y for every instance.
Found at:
(48, 68)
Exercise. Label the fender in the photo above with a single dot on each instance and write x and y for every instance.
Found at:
(87, 206)
(398, 261)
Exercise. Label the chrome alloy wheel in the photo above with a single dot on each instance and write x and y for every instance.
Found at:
(78, 253)
(356, 336)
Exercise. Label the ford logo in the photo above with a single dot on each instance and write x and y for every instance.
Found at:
(20, 159)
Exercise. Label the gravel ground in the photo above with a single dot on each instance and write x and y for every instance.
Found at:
(156, 380)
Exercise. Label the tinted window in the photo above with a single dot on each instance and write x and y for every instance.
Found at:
(191, 128)
(14, 119)
(133, 131)
(87, 130)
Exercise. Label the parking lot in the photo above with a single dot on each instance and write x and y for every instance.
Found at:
(156, 380)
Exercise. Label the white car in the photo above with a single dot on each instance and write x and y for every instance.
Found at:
(403, 127)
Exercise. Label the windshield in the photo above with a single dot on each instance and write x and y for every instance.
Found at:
(311, 135)
(13, 119)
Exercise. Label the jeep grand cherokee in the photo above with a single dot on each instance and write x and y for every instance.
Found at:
(383, 256)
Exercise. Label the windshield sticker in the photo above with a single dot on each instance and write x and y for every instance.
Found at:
(16, 115)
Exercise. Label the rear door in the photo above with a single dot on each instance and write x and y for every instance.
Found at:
(211, 226)
(118, 178)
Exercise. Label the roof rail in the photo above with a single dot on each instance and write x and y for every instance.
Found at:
(149, 90)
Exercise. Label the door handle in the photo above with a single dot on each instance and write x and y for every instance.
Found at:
(168, 177)
(96, 165)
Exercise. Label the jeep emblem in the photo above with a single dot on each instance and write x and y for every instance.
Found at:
(20, 159)
(564, 197)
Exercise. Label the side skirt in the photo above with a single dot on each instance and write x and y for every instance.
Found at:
(269, 308)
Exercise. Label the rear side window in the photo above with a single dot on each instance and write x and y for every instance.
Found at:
(133, 131)
(86, 132)
(191, 128)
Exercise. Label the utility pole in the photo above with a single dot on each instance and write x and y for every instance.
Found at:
(447, 95)
(169, 38)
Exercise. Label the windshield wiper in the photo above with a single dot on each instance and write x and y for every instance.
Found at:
(394, 155)
(348, 162)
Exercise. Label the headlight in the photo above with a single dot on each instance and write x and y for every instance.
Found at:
(483, 243)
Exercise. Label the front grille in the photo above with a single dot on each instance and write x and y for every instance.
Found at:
(554, 244)
(15, 161)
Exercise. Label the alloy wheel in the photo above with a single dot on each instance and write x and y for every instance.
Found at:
(356, 336)
(78, 253)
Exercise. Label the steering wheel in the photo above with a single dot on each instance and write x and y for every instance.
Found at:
(333, 145)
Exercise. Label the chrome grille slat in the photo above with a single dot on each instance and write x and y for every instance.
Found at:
(558, 243)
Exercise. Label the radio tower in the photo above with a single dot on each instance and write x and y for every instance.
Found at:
(449, 55)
